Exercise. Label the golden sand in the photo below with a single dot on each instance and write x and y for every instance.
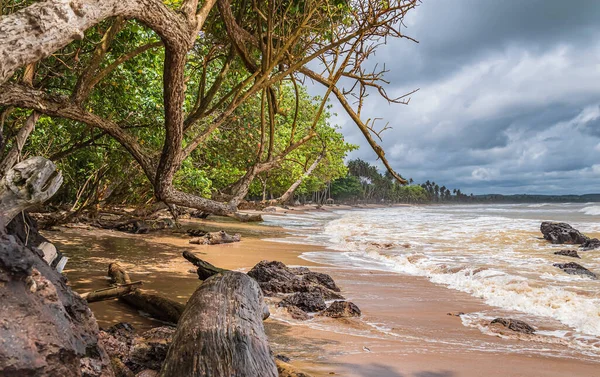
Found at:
(405, 330)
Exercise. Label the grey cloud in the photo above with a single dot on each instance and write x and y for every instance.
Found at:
(509, 98)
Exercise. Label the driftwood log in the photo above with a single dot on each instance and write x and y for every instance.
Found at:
(221, 332)
(110, 292)
(157, 306)
(216, 238)
(205, 269)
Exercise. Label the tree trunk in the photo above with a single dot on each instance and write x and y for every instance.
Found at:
(38, 30)
(12, 156)
(25, 185)
(290, 191)
(221, 332)
(157, 306)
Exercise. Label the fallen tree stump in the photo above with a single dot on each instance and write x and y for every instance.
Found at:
(221, 332)
(157, 306)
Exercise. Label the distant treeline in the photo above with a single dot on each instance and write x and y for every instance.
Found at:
(365, 184)
(526, 198)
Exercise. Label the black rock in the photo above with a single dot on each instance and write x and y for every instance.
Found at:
(342, 309)
(568, 253)
(266, 271)
(573, 268)
(308, 302)
(321, 279)
(297, 313)
(283, 358)
(559, 233)
(590, 244)
(514, 325)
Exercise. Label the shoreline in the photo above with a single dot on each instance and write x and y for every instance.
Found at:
(323, 347)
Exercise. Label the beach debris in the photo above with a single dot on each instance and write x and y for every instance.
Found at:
(196, 232)
(199, 214)
(307, 290)
(270, 209)
(342, 309)
(455, 314)
(568, 253)
(591, 244)
(559, 233)
(222, 331)
(514, 325)
(134, 353)
(287, 370)
(297, 313)
(157, 306)
(366, 349)
(216, 238)
(573, 268)
(283, 358)
(307, 301)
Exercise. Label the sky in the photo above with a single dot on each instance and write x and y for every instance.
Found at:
(508, 100)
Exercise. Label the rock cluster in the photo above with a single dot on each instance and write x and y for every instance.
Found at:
(135, 355)
(560, 233)
(573, 268)
(590, 244)
(46, 329)
(303, 291)
(342, 309)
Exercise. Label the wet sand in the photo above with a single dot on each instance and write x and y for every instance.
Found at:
(418, 339)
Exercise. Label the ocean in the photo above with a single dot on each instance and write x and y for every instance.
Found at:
(494, 253)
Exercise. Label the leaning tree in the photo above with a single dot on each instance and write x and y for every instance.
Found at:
(217, 55)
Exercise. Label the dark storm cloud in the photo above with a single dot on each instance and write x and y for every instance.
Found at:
(509, 97)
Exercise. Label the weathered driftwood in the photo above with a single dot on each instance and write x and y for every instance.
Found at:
(157, 306)
(110, 292)
(216, 238)
(221, 332)
(27, 184)
(205, 269)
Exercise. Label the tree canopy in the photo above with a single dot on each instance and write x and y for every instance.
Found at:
(197, 104)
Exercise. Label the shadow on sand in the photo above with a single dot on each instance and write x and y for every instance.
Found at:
(379, 370)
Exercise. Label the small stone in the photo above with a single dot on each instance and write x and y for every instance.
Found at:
(342, 309)
(573, 268)
(309, 302)
(568, 253)
(514, 325)
(297, 313)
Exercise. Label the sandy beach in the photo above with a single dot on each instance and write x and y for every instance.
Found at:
(419, 337)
